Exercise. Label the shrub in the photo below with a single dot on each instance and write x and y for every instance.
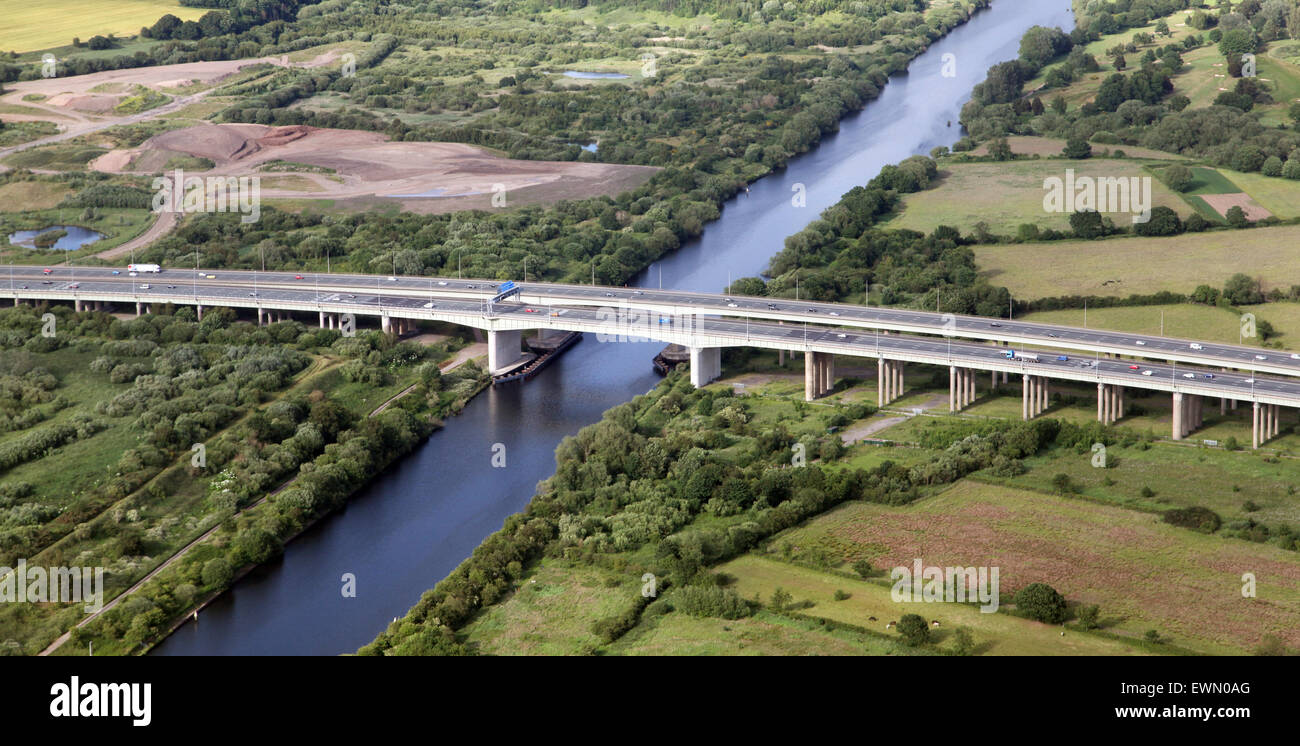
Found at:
(1089, 616)
(1040, 601)
(914, 630)
(1178, 178)
(711, 601)
(963, 642)
(863, 568)
(1194, 517)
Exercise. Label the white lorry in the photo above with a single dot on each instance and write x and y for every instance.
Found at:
(134, 268)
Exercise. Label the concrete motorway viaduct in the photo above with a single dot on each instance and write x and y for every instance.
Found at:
(705, 323)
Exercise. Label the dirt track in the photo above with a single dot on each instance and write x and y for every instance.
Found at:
(82, 104)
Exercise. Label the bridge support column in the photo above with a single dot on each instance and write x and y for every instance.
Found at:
(1110, 403)
(811, 381)
(503, 348)
(961, 388)
(76, 305)
(1033, 396)
(1189, 414)
(889, 381)
(545, 334)
(882, 383)
(706, 365)
(1255, 440)
(139, 309)
(818, 374)
(198, 311)
(952, 388)
(1177, 430)
(386, 324)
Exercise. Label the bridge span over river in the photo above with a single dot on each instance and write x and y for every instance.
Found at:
(1190, 371)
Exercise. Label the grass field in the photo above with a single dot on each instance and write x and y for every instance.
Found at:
(1179, 476)
(63, 157)
(1010, 193)
(997, 634)
(21, 196)
(1144, 574)
(30, 26)
(1130, 265)
(552, 611)
(762, 634)
(1184, 320)
(1279, 196)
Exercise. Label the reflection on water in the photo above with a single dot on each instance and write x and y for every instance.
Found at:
(76, 238)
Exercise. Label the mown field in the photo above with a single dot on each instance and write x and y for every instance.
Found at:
(1131, 264)
(30, 26)
(1010, 193)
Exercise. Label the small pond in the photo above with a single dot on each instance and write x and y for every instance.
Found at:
(594, 76)
(76, 238)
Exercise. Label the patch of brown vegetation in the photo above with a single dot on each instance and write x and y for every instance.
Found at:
(1221, 203)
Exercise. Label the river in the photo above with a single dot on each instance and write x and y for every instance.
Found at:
(416, 522)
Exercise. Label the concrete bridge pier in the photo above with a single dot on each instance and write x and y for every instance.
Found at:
(139, 309)
(386, 324)
(706, 364)
(961, 388)
(1034, 396)
(1189, 414)
(1265, 423)
(889, 381)
(1110, 403)
(818, 374)
(504, 350)
(545, 334)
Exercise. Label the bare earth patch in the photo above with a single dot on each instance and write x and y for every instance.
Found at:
(1221, 203)
(371, 169)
